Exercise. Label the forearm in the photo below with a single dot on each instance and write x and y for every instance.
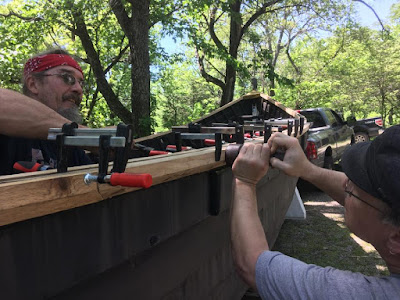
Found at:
(22, 116)
(247, 234)
(329, 181)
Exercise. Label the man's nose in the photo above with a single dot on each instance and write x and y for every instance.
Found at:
(77, 88)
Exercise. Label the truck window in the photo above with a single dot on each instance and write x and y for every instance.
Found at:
(315, 118)
(338, 118)
(331, 118)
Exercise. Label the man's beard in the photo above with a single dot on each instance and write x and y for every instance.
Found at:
(73, 114)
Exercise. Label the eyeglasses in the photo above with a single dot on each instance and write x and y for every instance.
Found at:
(350, 193)
(68, 79)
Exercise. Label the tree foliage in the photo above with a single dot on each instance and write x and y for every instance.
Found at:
(112, 38)
(218, 29)
(183, 96)
(357, 73)
(308, 53)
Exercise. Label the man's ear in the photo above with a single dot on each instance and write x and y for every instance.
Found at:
(393, 242)
(32, 84)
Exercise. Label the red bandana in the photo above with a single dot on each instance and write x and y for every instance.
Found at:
(48, 61)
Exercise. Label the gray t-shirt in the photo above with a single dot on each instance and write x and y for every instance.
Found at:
(282, 277)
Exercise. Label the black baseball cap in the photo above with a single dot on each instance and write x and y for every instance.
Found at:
(375, 166)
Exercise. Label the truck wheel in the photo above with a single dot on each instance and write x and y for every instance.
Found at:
(328, 162)
(361, 137)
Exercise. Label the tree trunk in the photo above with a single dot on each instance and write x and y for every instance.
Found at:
(94, 60)
(140, 61)
(271, 77)
(229, 89)
(234, 41)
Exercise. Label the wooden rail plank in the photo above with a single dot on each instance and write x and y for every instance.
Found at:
(36, 194)
(52, 192)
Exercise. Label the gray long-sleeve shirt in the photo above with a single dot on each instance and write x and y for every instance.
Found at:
(282, 277)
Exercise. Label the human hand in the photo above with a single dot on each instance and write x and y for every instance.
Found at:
(252, 163)
(295, 162)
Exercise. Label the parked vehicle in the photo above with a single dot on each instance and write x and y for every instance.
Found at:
(366, 129)
(328, 137)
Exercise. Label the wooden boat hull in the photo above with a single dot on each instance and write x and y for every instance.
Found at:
(62, 239)
(159, 243)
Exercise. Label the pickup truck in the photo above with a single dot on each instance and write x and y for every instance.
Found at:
(365, 129)
(328, 136)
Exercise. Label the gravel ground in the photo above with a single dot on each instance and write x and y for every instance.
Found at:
(324, 240)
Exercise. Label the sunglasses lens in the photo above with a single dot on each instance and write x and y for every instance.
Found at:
(68, 79)
(71, 80)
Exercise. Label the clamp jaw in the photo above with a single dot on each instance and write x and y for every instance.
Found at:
(119, 139)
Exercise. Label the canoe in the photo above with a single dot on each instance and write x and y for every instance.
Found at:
(63, 239)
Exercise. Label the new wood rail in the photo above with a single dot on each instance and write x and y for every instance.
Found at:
(30, 195)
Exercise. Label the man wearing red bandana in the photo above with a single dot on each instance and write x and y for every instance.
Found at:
(52, 88)
(55, 80)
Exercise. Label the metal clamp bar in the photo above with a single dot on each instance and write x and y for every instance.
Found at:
(257, 127)
(278, 122)
(92, 141)
(223, 124)
(83, 132)
(197, 136)
(223, 130)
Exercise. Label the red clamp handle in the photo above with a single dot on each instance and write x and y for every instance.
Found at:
(209, 142)
(26, 166)
(132, 180)
(173, 148)
(157, 152)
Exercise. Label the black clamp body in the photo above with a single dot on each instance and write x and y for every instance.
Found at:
(194, 128)
(239, 134)
(62, 149)
(178, 141)
(104, 144)
(290, 127)
(104, 150)
(121, 154)
(301, 125)
(199, 136)
(267, 132)
(218, 146)
(296, 127)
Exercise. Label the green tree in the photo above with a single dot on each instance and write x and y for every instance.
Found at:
(182, 95)
(111, 37)
(355, 72)
(217, 30)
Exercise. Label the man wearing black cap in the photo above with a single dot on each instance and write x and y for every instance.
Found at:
(369, 189)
